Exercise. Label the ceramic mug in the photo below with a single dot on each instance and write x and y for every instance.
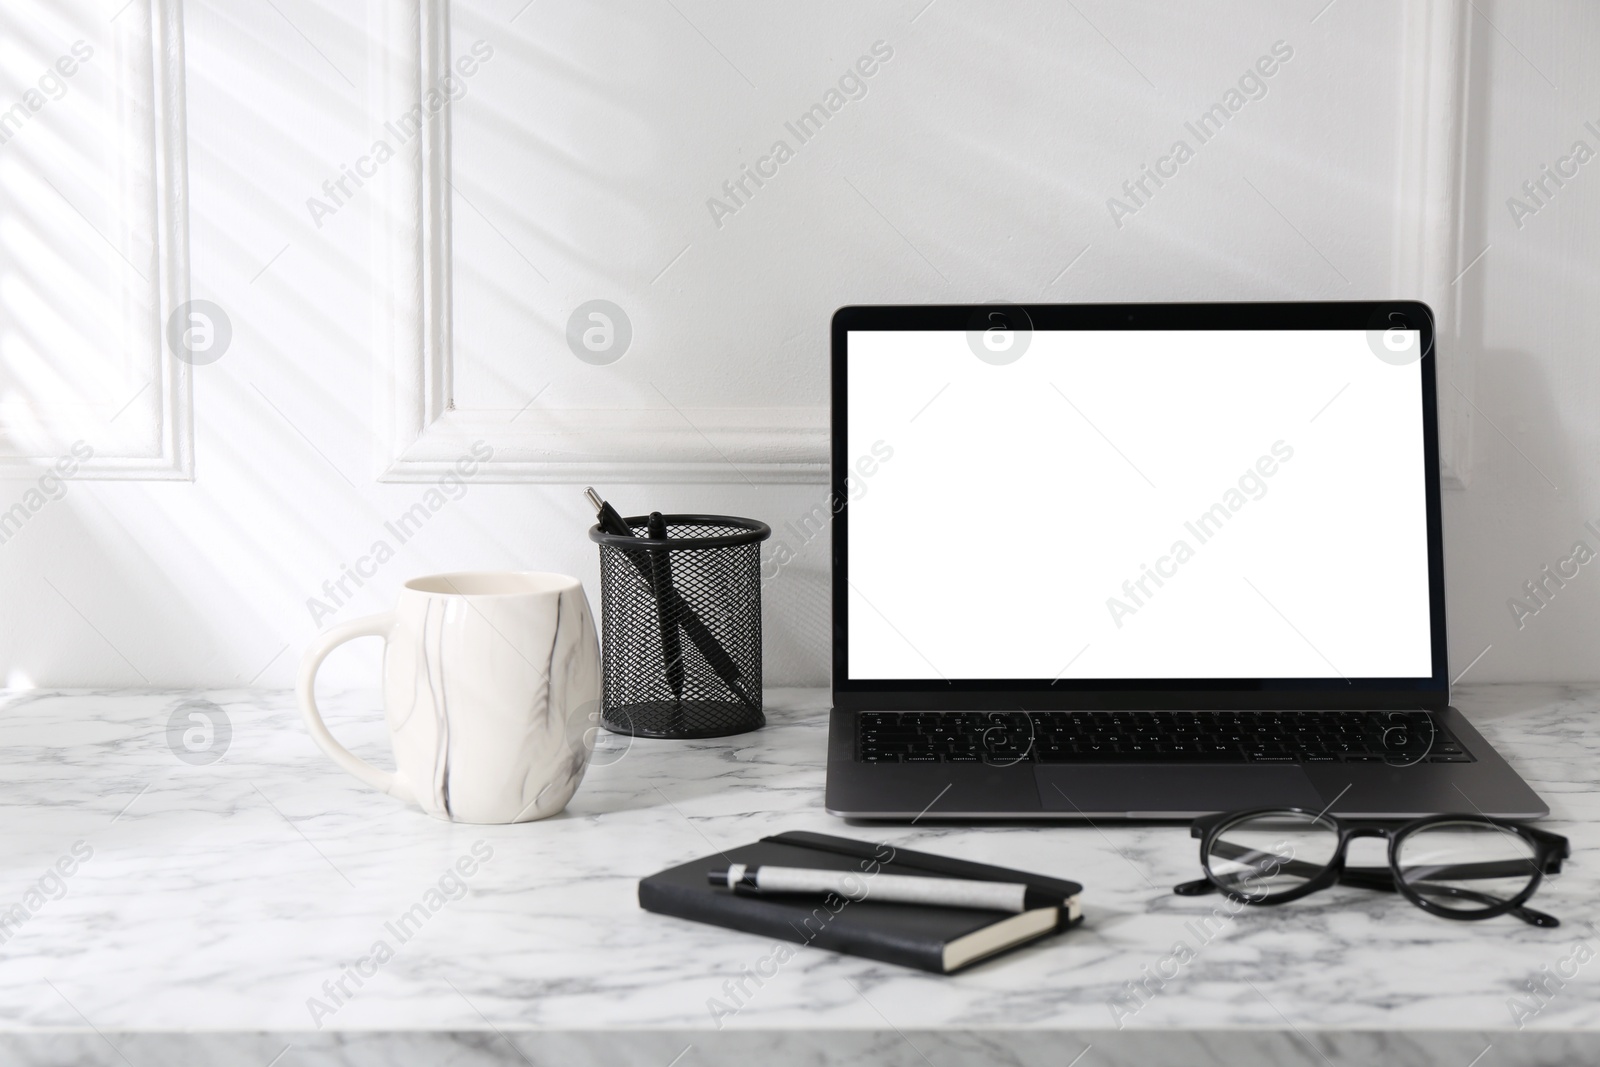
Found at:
(491, 689)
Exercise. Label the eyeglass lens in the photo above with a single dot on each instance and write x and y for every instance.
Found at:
(1466, 866)
(1267, 855)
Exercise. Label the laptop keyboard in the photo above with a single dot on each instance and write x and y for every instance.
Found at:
(1399, 738)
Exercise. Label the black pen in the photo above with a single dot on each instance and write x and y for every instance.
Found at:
(607, 515)
(661, 566)
(687, 617)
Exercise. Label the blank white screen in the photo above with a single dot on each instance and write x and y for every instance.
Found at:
(1015, 502)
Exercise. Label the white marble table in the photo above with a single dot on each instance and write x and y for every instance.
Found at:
(216, 900)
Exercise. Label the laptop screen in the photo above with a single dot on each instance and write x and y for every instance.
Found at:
(1135, 504)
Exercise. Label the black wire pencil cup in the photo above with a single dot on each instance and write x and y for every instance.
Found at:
(680, 616)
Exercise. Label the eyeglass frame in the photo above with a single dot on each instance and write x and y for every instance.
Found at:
(1550, 849)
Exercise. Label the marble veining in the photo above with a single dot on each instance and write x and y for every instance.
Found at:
(220, 900)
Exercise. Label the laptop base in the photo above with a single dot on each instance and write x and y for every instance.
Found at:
(1066, 791)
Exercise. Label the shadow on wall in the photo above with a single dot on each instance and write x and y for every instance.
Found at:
(1523, 510)
(1507, 533)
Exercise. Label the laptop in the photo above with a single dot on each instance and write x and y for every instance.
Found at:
(1143, 561)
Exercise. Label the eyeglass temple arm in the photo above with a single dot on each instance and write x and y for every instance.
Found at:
(1531, 916)
(1376, 878)
(1381, 879)
(1488, 869)
(1554, 847)
(1254, 856)
(1229, 850)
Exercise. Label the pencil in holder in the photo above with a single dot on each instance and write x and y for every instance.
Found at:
(680, 618)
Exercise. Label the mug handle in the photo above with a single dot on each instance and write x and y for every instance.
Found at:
(321, 645)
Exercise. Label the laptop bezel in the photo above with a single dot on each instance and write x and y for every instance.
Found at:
(1430, 693)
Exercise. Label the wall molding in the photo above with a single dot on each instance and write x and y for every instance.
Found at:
(423, 432)
(149, 70)
(1428, 257)
(169, 132)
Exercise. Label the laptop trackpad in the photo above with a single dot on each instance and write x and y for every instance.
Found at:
(1156, 790)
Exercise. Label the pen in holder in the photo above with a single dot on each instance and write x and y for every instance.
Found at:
(680, 617)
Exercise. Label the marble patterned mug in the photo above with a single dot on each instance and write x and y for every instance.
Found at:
(491, 689)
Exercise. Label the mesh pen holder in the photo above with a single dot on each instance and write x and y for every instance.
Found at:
(681, 627)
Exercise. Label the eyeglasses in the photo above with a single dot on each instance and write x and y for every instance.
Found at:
(1454, 866)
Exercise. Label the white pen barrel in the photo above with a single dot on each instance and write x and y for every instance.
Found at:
(895, 888)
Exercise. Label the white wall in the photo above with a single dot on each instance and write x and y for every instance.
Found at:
(977, 166)
(1532, 317)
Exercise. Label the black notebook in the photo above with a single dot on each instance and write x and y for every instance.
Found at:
(915, 935)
